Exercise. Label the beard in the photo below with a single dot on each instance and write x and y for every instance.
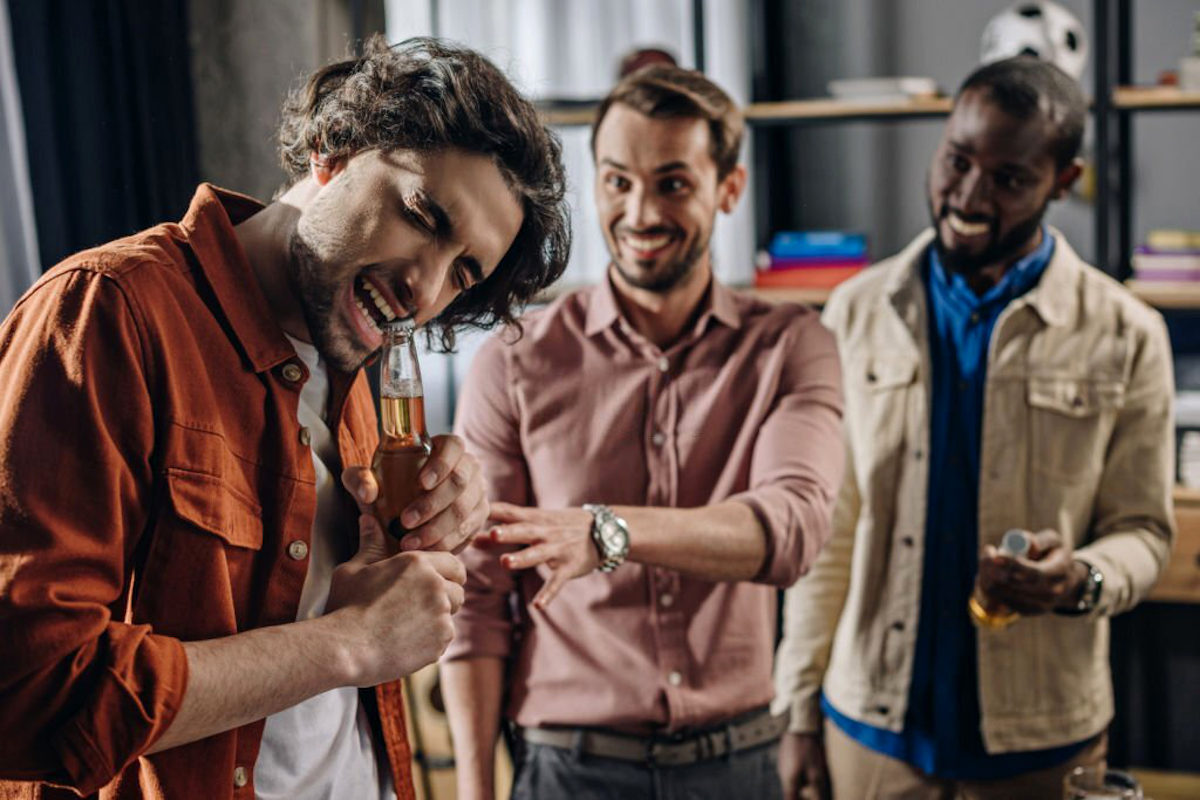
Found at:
(670, 275)
(998, 249)
(317, 296)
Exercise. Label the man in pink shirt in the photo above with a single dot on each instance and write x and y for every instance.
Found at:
(630, 643)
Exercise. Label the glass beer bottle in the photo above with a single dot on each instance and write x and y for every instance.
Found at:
(403, 442)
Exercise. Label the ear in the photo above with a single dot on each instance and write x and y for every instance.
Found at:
(323, 168)
(1066, 178)
(731, 188)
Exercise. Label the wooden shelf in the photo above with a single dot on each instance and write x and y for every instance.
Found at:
(831, 109)
(1158, 294)
(1134, 98)
(797, 111)
(1162, 294)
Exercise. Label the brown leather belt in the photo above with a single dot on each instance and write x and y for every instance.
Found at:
(755, 730)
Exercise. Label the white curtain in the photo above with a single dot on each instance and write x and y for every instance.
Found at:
(19, 263)
(570, 50)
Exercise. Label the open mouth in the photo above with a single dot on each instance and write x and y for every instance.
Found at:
(966, 229)
(645, 246)
(376, 303)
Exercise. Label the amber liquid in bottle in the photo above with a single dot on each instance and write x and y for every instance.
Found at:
(403, 442)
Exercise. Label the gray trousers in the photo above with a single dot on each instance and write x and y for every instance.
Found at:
(552, 773)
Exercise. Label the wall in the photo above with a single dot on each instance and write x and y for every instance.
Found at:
(246, 54)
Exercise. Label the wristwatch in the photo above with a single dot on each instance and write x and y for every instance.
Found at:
(610, 534)
(1089, 595)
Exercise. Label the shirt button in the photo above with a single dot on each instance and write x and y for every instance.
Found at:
(292, 372)
(667, 600)
(664, 364)
(240, 777)
(305, 437)
(974, 317)
(658, 438)
(674, 678)
(298, 549)
(962, 386)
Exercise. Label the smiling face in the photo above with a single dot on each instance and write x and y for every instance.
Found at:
(991, 179)
(658, 194)
(392, 235)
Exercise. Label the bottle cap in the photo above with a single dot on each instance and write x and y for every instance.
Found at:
(1015, 543)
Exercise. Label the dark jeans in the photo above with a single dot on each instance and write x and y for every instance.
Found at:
(552, 773)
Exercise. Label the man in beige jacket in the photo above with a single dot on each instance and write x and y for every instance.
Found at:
(994, 381)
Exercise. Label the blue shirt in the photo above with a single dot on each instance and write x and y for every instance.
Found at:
(941, 733)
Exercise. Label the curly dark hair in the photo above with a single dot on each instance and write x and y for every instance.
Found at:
(426, 94)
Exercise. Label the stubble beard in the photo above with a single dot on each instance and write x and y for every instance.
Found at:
(317, 298)
(999, 249)
(663, 281)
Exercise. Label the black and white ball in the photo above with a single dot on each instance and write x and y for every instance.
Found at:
(1042, 29)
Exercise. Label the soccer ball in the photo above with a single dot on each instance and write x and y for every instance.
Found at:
(1041, 29)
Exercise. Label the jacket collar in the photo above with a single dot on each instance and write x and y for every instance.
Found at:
(1053, 298)
(209, 227)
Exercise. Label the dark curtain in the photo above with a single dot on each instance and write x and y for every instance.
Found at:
(107, 98)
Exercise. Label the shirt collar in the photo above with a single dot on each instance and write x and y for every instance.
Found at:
(1018, 279)
(209, 224)
(719, 303)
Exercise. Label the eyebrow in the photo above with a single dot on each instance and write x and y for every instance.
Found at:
(670, 166)
(1009, 165)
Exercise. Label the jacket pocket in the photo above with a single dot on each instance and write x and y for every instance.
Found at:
(209, 504)
(1071, 420)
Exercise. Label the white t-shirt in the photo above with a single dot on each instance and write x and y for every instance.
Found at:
(321, 748)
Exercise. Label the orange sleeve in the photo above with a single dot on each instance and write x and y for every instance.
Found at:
(82, 693)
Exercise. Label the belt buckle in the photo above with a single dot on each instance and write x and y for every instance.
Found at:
(653, 748)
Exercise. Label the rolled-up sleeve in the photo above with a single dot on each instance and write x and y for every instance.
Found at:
(82, 693)
(798, 454)
(487, 421)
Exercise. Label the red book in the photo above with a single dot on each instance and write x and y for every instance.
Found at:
(812, 277)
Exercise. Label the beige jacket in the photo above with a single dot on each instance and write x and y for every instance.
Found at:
(1078, 436)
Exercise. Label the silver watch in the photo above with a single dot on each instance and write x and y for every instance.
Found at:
(610, 534)
(1089, 595)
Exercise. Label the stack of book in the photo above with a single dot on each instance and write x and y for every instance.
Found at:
(1168, 256)
(811, 259)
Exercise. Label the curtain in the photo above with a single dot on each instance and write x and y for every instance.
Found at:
(107, 100)
(18, 237)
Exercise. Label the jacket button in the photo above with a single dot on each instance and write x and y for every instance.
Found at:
(908, 541)
(897, 625)
(292, 372)
(882, 710)
(870, 377)
(298, 549)
(241, 777)
(305, 437)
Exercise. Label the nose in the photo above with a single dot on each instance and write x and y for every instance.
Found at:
(429, 282)
(641, 209)
(973, 193)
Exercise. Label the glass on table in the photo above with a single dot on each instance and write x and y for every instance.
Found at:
(1100, 783)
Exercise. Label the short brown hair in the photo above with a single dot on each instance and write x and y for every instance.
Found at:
(663, 91)
(425, 95)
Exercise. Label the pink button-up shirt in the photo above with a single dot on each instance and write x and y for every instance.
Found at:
(746, 406)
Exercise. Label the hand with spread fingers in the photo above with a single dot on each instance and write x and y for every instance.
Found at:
(558, 542)
(1046, 578)
(453, 507)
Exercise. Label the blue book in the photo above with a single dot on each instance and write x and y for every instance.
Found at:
(818, 244)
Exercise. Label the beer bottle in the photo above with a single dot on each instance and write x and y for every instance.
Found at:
(986, 612)
(403, 442)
